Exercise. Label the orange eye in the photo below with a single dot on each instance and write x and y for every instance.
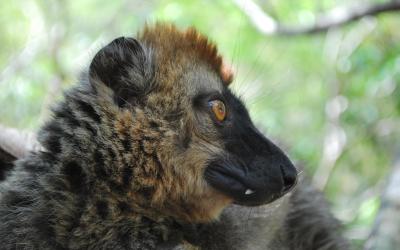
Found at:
(218, 108)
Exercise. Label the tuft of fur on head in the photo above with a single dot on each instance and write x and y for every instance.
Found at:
(185, 48)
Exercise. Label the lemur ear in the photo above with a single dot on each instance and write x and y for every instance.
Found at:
(126, 66)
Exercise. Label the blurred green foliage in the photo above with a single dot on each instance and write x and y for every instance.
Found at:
(332, 98)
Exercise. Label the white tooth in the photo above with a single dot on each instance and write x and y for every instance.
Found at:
(249, 191)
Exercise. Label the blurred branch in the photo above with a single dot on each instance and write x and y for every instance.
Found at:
(333, 18)
(335, 138)
(32, 47)
(21, 61)
(58, 21)
(14, 144)
(386, 230)
(17, 143)
(338, 49)
(55, 84)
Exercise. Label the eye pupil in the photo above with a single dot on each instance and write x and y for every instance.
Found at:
(218, 108)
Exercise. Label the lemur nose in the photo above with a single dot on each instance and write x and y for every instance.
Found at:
(289, 177)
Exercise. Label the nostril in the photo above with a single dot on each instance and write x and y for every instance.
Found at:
(289, 178)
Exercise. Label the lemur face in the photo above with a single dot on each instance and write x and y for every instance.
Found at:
(248, 167)
(206, 153)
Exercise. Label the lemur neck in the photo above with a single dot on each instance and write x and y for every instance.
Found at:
(84, 218)
(102, 157)
(89, 197)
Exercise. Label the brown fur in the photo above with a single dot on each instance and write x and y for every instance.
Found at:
(183, 49)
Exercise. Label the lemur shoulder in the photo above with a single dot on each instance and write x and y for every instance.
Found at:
(146, 152)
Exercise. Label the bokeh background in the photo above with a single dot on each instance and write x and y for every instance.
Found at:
(332, 98)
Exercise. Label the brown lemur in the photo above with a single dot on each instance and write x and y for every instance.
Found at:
(145, 153)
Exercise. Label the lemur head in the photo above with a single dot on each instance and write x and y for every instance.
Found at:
(185, 145)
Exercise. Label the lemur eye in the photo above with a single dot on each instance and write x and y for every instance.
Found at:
(218, 108)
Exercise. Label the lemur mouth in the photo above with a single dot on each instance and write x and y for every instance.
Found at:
(246, 189)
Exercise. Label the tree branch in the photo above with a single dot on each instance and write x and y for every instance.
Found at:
(14, 144)
(17, 143)
(385, 233)
(336, 17)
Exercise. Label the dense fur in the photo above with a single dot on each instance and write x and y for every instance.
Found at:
(125, 157)
(300, 220)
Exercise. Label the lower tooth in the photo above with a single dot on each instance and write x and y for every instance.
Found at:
(249, 191)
